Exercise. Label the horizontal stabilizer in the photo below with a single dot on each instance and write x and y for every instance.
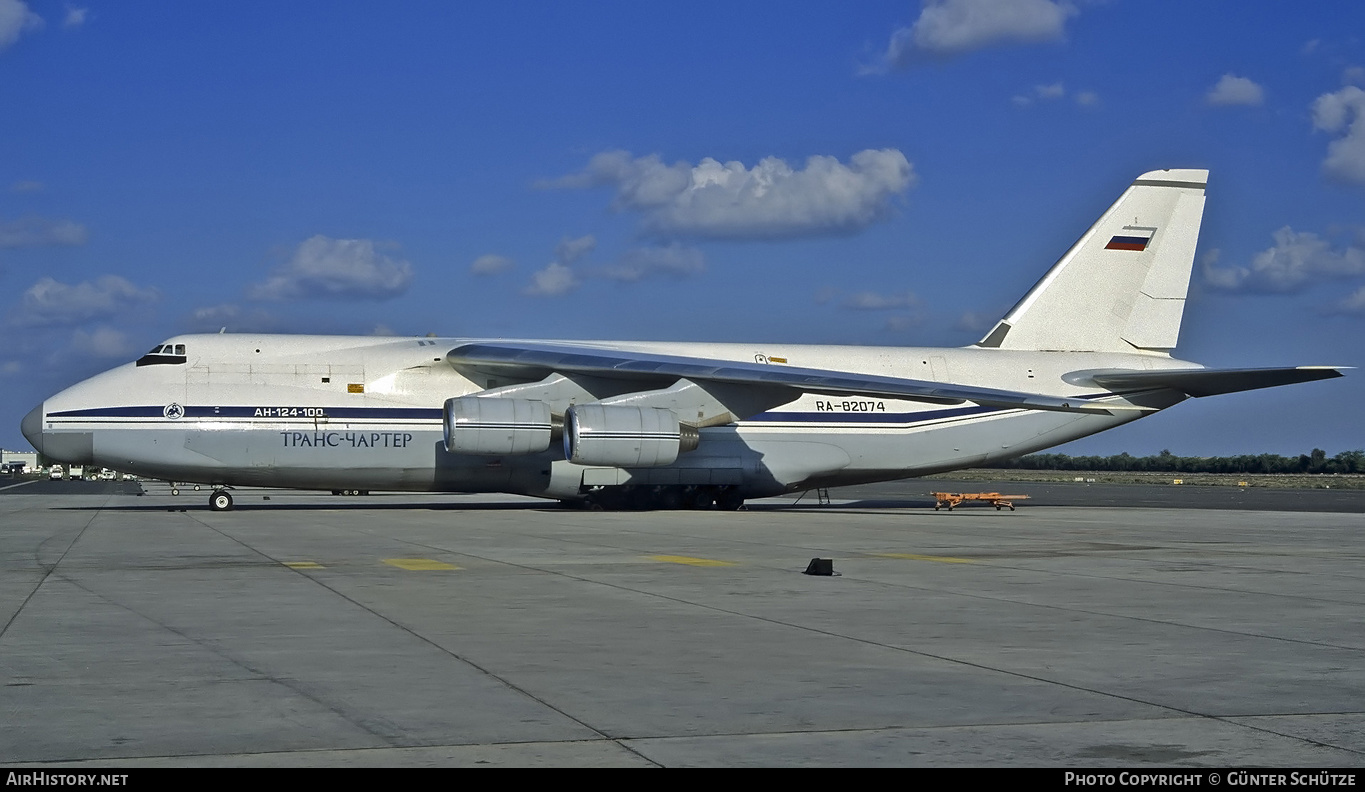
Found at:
(1211, 382)
(533, 361)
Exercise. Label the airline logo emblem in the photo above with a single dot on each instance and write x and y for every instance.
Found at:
(174, 411)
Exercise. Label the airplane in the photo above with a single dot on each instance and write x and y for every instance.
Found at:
(607, 424)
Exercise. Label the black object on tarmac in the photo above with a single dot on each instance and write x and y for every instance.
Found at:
(820, 566)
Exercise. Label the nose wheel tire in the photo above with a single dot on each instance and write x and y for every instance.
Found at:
(220, 501)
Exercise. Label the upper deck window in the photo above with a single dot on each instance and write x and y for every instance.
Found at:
(163, 355)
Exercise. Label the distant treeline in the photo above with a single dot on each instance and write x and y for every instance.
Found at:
(1316, 461)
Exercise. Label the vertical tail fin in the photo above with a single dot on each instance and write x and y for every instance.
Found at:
(1122, 286)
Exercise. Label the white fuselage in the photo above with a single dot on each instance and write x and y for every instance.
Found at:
(336, 412)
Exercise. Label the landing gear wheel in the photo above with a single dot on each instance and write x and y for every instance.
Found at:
(729, 499)
(175, 491)
(196, 487)
(638, 499)
(668, 498)
(220, 500)
(611, 499)
(700, 498)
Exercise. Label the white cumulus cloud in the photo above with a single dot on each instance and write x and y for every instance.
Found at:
(672, 260)
(559, 277)
(336, 268)
(1352, 304)
(570, 250)
(903, 322)
(770, 200)
(552, 281)
(16, 19)
(75, 17)
(490, 264)
(212, 318)
(1343, 110)
(975, 322)
(1296, 260)
(1234, 90)
(101, 342)
(49, 303)
(874, 301)
(1053, 91)
(947, 28)
(1040, 92)
(41, 232)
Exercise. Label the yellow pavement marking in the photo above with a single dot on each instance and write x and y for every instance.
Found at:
(304, 565)
(702, 562)
(418, 564)
(914, 557)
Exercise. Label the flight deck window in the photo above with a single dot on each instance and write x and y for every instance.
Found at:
(163, 355)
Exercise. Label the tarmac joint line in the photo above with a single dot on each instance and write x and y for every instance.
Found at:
(917, 557)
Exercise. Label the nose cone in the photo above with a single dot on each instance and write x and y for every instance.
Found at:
(32, 427)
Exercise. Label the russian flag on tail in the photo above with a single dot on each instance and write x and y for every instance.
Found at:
(1129, 242)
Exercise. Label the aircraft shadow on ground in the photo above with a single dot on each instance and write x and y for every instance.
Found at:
(194, 505)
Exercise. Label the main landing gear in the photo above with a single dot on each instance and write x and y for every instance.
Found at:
(220, 500)
(664, 498)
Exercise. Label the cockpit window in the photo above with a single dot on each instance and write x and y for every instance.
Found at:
(163, 355)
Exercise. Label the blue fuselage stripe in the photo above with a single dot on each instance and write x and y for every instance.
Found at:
(342, 413)
(433, 414)
(869, 417)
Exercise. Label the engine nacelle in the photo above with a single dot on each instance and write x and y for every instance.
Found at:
(597, 434)
(496, 426)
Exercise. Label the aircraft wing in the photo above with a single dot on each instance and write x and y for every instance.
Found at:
(531, 361)
(1211, 382)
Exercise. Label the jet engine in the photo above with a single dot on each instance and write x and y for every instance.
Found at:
(496, 426)
(598, 434)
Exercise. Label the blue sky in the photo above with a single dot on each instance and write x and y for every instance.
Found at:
(890, 173)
